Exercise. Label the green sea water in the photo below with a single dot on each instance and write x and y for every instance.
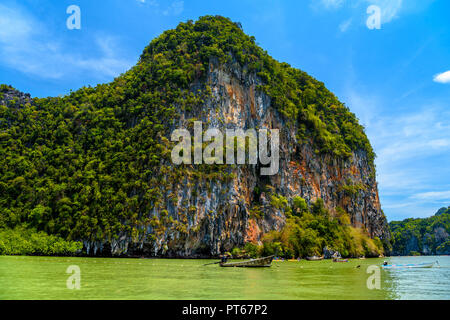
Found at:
(107, 278)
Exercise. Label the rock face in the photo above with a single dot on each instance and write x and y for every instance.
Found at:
(11, 97)
(202, 217)
(222, 216)
(429, 244)
(330, 254)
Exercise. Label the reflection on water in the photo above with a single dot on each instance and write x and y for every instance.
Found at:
(45, 278)
(419, 283)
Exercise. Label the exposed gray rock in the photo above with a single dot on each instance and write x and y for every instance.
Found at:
(221, 216)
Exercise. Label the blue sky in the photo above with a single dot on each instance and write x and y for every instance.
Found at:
(395, 79)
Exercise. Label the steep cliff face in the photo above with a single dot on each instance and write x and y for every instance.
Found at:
(108, 179)
(223, 215)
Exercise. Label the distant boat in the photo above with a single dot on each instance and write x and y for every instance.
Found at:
(277, 259)
(362, 258)
(314, 258)
(410, 265)
(253, 263)
(294, 260)
(340, 260)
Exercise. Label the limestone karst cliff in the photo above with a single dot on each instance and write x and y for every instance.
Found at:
(422, 236)
(94, 166)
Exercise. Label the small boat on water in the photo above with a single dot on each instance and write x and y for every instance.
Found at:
(253, 263)
(277, 259)
(410, 265)
(314, 258)
(340, 260)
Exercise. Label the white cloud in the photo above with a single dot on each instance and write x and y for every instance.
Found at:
(412, 151)
(26, 45)
(176, 8)
(153, 3)
(439, 143)
(173, 8)
(331, 3)
(345, 25)
(434, 195)
(14, 25)
(442, 77)
(389, 8)
(405, 138)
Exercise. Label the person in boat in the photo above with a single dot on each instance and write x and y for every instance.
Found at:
(224, 258)
(385, 263)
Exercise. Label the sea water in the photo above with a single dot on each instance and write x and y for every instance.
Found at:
(110, 278)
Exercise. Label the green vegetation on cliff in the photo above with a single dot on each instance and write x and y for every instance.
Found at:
(428, 236)
(309, 230)
(187, 51)
(21, 241)
(94, 164)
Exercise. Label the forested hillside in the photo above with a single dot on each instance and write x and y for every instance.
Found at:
(429, 236)
(94, 166)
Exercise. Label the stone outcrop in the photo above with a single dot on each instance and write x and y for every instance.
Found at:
(211, 216)
(222, 216)
(11, 97)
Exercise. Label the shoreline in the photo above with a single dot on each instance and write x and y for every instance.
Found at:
(195, 258)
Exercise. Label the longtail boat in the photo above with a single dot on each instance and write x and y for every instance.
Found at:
(253, 263)
(340, 260)
(314, 258)
(411, 265)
